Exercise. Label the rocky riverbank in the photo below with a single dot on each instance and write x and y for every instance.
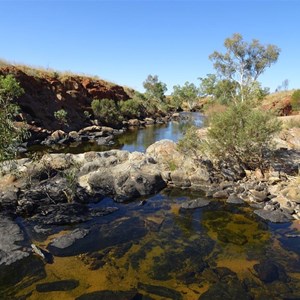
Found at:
(56, 189)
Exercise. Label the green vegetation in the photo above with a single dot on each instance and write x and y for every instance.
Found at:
(10, 134)
(239, 133)
(61, 116)
(188, 93)
(133, 108)
(295, 100)
(239, 69)
(155, 94)
(107, 111)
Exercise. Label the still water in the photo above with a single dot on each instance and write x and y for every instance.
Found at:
(134, 139)
(159, 251)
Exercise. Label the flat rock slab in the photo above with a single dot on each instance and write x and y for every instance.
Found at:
(195, 203)
(275, 216)
(12, 241)
(69, 239)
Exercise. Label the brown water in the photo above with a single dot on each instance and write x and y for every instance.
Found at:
(158, 251)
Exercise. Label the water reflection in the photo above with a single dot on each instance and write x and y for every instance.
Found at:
(134, 139)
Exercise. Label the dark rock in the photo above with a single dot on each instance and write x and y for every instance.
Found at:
(195, 203)
(12, 241)
(20, 275)
(100, 212)
(111, 295)
(268, 271)
(61, 214)
(275, 216)
(160, 291)
(234, 199)
(62, 285)
(230, 290)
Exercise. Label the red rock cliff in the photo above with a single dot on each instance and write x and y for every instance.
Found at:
(48, 92)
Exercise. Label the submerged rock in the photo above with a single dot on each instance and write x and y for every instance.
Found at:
(160, 291)
(268, 271)
(112, 295)
(61, 244)
(62, 285)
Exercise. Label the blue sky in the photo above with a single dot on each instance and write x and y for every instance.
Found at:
(124, 41)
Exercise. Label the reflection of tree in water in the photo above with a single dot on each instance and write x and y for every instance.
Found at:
(128, 138)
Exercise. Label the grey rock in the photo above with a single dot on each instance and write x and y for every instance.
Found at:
(275, 216)
(234, 199)
(12, 241)
(69, 239)
(195, 203)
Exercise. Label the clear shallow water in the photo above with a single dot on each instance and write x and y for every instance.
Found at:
(162, 252)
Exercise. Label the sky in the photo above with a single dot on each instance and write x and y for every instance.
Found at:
(125, 41)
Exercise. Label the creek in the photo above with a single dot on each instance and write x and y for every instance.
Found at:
(151, 248)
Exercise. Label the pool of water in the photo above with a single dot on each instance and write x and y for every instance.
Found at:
(134, 139)
(159, 251)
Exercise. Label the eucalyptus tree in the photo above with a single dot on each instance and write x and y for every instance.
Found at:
(244, 62)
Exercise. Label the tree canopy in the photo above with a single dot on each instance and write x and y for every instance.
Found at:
(243, 63)
(155, 92)
(188, 93)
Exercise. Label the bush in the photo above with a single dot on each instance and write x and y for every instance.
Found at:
(107, 111)
(61, 116)
(10, 135)
(295, 100)
(132, 108)
(241, 135)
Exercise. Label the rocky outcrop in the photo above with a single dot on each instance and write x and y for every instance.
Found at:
(48, 92)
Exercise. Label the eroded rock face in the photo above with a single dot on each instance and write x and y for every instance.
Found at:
(46, 93)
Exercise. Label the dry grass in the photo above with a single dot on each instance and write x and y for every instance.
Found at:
(41, 72)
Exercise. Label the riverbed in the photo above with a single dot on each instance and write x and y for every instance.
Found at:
(152, 248)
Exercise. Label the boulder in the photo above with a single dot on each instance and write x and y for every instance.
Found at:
(275, 216)
(234, 199)
(133, 122)
(195, 203)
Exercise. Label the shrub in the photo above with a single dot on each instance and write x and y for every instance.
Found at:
(61, 116)
(241, 135)
(295, 100)
(107, 111)
(132, 108)
(10, 134)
